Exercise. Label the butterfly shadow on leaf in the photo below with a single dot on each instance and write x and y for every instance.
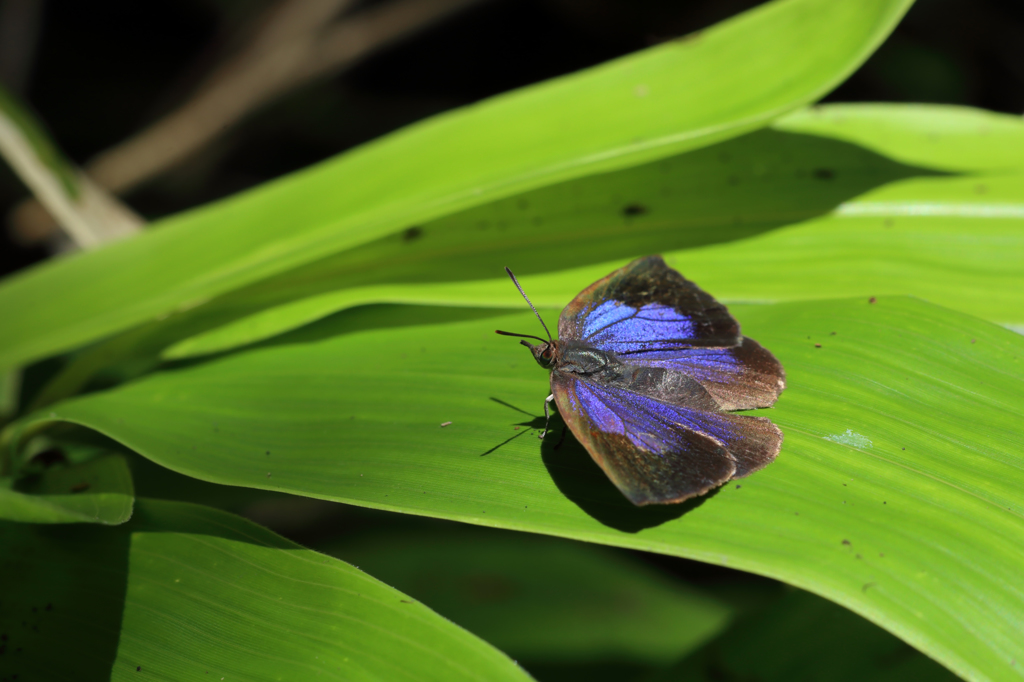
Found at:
(579, 478)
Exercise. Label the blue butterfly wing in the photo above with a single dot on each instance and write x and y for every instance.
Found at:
(650, 315)
(656, 452)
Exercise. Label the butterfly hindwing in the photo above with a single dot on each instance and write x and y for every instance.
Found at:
(656, 452)
(743, 377)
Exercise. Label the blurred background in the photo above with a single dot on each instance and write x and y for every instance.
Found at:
(117, 82)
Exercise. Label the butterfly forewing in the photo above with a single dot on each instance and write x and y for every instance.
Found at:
(650, 315)
(647, 306)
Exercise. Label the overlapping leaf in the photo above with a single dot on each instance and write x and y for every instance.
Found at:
(898, 483)
(680, 95)
(186, 592)
(756, 218)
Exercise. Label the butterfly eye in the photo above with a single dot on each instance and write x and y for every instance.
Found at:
(546, 354)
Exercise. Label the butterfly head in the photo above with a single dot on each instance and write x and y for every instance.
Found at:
(545, 352)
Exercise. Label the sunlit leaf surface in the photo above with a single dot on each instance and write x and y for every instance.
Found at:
(896, 490)
(784, 214)
(683, 94)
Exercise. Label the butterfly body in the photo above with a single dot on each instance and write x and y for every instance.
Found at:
(645, 371)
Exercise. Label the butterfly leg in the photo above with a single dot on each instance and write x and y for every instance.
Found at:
(547, 416)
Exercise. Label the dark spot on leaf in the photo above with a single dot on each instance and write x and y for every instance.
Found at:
(872, 299)
(738, 486)
(634, 209)
(846, 542)
(824, 173)
(138, 668)
(412, 234)
(817, 345)
(974, 340)
(866, 586)
(78, 488)
(49, 607)
(831, 333)
(405, 601)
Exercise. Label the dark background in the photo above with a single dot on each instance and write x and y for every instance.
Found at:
(103, 69)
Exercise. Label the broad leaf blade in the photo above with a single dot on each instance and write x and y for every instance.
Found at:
(779, 209)
(943, 137)
(187, 592)
(684, 94)
(356, 417)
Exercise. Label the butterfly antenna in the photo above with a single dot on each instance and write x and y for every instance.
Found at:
(518, 286)
(524, 336)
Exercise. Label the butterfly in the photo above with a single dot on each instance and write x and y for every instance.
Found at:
(645, 372)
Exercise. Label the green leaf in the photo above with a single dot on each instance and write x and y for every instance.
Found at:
(543, 600)
(942, 137)
(783, 208)
(731, 191)
(10, 387)
(187, 592)
(897, 486)
(97, 491)
(680, 95)
(803, 638)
